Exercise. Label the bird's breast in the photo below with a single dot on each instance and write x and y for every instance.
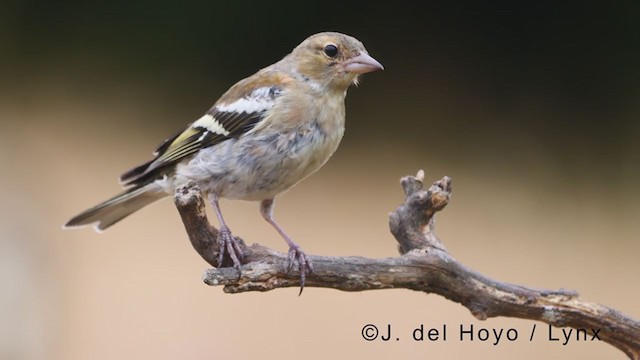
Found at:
(271, 159)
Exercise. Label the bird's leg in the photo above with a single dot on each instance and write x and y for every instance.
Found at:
(226, 241)
(295, 252)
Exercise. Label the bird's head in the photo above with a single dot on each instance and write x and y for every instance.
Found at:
(333, 60)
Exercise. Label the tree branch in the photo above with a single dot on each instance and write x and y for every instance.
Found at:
(425, 265)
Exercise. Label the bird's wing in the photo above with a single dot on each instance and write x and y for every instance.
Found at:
(237, 112)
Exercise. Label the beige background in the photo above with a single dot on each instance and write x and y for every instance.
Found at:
(531, 108)
(136, 291)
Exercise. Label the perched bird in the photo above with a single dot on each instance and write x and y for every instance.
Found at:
(264, 135)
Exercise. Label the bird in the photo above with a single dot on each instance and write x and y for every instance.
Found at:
(265, 134)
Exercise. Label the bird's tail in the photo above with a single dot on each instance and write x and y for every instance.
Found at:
(118, 207)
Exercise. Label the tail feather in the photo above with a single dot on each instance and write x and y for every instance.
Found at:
(117, 208)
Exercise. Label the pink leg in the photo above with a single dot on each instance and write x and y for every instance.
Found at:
(295, 252)
(227, 242)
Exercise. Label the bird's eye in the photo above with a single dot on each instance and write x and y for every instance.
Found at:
(331, 50)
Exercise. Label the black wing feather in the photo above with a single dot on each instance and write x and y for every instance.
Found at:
(194, 138)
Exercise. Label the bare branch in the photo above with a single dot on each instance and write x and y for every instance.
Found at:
(424, 266)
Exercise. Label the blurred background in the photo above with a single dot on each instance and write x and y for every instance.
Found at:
(531, 109)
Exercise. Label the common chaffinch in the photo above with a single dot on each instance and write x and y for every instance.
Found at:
(264, 135)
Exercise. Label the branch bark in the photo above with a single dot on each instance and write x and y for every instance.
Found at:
(424, 265)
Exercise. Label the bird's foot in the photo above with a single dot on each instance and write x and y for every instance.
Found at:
(229, 245)
(304, 264)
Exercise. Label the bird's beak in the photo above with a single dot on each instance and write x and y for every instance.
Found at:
(362, 64)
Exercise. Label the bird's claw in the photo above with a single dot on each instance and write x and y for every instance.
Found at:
(229, 245)
(304, 264)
